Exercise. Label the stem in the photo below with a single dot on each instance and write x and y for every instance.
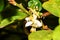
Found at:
(22, 8)
(13, 2)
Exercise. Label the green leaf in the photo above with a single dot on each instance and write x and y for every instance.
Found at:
(56, 33)
(41, 35)
(35, 4)
(18, 16)
(4, 23)
(1, 5)
(53, 6)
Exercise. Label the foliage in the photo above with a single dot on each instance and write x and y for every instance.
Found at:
(41, 35)
(12, 11)
(1, 5)
(56, 33)
(15, 15)
(53, 7)
(35, 4)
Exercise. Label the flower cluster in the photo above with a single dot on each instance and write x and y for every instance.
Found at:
(33, 21)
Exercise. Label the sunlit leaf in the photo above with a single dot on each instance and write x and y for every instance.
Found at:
(4, 23)
(56, 33)
(35, 4)
(1, 5)
(41, 35)
(53, 6)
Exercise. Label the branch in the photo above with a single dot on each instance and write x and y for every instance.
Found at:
(13, 2)
(46, 14)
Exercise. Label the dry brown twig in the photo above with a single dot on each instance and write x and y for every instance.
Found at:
(46, 14)
(13, 2)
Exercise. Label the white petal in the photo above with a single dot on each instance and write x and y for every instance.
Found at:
(28, 24)
(27, 19)
(38, 23)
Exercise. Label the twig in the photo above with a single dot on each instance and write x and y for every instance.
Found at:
(46, 14)
(13, 2)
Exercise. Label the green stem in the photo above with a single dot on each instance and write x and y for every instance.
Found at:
(22, 8)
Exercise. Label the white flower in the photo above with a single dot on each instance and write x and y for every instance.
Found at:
(33, 21)
(28, 24)
(38, 23)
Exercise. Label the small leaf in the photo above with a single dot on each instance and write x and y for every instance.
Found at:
(53, 6)
(1, 5)
(56, 33)
(35, 4)
(41, 35)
